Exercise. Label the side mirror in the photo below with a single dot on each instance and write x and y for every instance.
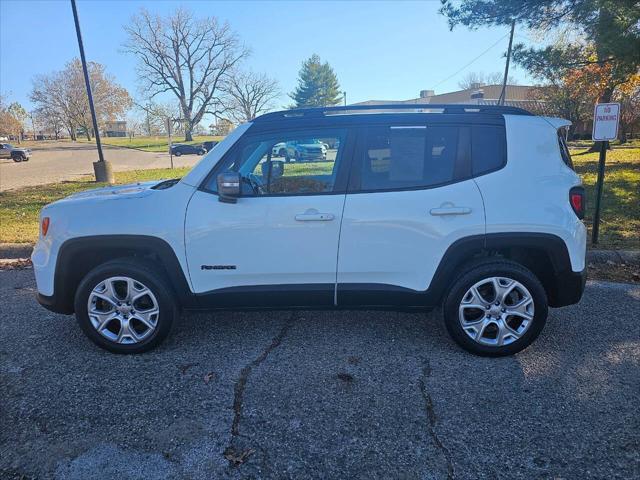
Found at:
(228, 187)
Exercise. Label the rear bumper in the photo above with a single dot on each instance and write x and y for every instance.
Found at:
(569, 288)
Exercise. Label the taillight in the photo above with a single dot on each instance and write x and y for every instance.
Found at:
(578, 201)
(45, 226)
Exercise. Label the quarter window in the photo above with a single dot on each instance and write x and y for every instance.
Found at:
(286, 163)
(488, 148)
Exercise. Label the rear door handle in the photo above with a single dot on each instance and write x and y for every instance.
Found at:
(312, 215)
(450, 211)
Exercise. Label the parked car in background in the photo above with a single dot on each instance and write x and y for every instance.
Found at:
(304, 150)
(209, 144)
(414, 210)
(178, 149)
(16, 154)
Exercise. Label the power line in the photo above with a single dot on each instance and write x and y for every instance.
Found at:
(472, 61)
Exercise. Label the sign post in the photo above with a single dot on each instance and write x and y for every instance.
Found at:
(606, 117)
(170, 149)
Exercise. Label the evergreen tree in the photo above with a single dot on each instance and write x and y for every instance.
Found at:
(610, 27)
(317, 85)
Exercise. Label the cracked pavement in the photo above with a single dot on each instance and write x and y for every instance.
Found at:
(347, 394)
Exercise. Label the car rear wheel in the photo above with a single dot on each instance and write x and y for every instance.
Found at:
(495, 308)
(125, 306)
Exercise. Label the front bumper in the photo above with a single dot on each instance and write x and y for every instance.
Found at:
(569, 288)
(54, 305)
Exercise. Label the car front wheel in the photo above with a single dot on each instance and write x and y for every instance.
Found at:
(496, 308)
(18, 158)
(125, 306)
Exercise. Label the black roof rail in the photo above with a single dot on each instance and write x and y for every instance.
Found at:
(422, 107)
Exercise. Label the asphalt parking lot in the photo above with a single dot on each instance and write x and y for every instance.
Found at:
(320, 395)
(57, 161)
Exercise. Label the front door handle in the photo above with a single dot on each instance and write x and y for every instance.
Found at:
(450, 211)
(312, 215)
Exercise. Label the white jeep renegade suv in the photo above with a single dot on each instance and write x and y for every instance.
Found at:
(475, 208)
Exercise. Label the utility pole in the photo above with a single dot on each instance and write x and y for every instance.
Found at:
(344, 96)
(503, 93)
(101, 168)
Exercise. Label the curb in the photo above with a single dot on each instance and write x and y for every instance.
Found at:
(23, 250)
(15, 250)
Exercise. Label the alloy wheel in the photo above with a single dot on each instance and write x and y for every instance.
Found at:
(123, 310)
(496, 311)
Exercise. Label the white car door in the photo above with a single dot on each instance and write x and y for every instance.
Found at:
(410, 197)
(277, 245)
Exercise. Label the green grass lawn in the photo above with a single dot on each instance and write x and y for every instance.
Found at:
(620, 219)
(151, 144)
(20, 209)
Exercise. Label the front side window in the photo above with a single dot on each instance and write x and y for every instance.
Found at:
(400, 157)
(286, 163)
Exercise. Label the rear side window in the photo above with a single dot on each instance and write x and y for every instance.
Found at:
(488, 147)
(564, 149)
(400, 157)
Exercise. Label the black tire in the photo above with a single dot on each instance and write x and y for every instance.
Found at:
(476, 273)
(18, 158)
(282, 153)
(177, 154)
(141, 271)
(202, 152)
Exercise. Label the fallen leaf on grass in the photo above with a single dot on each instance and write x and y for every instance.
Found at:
(209, 376)
(238, 458)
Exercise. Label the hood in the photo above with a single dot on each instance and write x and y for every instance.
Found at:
(118, 191)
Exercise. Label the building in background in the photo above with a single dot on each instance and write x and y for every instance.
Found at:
(115, 128)
(522, 96)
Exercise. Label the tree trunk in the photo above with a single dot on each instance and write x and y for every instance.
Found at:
(188, 137)
(622, 134)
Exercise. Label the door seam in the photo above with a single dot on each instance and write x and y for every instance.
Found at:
(335, 285)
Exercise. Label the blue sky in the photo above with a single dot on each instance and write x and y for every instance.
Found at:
(379, 50)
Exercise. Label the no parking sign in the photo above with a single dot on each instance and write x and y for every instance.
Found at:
(606, 118)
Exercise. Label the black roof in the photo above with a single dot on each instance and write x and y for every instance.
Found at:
(320, 112)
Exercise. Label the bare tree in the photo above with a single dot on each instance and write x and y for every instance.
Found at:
(155, 116)
(65, 94)
(50, 121)
(250, 94)
(471, 79)
(49, 93)
(186, 56)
